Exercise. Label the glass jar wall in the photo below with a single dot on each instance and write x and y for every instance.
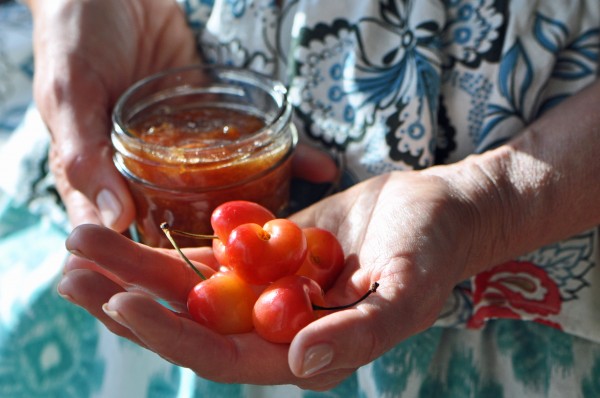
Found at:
(189, 139)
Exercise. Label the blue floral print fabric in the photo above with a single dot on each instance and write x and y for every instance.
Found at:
(383, 85)
(395, 85)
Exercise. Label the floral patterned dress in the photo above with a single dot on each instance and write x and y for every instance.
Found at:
(383, 85)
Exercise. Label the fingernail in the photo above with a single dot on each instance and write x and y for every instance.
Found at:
(316, 358)
(109, 206)
(75, 252)
(60, 289)
(114, 315)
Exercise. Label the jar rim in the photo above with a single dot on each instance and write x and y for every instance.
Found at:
(274, 126)
(119, 164)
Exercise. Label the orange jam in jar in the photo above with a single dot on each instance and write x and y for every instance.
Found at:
(189, 139)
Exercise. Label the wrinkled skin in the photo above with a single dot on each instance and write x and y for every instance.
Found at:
(416, 233)
(87, 53)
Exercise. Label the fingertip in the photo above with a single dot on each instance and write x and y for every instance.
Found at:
(314, 165)
(330, 344)
(117, 309)
(116, 210)
(73, 241)
(76, 261)
(104, 189)
(312, 350)
(64, 288)
(109, 206)
(113, 199)
(306, 362)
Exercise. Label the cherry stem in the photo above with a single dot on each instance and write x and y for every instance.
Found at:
(372, 289)
(191, 234)
(165, 228)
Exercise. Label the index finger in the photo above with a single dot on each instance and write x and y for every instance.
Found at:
(159, 271)
(243, 358)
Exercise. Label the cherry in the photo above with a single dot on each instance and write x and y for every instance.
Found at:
(285, 307)
(260, 255)
(325, 258)
(291, 303)
(223, 303)
(230, 214)
(219, 252)
(225, 218)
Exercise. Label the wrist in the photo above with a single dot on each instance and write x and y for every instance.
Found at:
(537, 189)
(500, 193)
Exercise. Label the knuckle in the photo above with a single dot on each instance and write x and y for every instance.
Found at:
(75, 165)
(78, 166)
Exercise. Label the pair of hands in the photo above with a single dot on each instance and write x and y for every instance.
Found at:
(410, 231)
(400, 229)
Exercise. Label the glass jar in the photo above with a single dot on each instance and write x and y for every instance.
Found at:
(189, 139)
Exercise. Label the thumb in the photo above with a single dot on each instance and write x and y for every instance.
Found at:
(314, 165)
(345, 339)
(354, 337)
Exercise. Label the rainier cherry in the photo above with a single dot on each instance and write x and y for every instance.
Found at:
(237, 212)
(219, 252)
(289, 304)
(223, 303)
(285, 307)
(260, 255)
(231, 214)
(325, 258)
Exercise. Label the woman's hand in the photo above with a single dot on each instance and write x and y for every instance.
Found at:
(415, 233)
(86, 54)
(405, 230)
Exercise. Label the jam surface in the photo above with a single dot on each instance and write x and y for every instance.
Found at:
(196, 128)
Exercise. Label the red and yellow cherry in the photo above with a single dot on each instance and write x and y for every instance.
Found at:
(285, 307)
(260, 255)
(325, 257)
(231, 214)
(223, 303)
(228, 216)
(218, 247)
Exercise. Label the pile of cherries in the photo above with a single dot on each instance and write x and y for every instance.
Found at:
(273, 273)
